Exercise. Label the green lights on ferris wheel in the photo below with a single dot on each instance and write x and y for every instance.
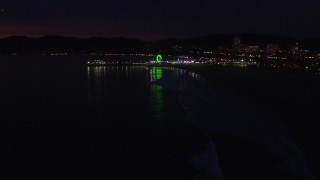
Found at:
(159, 58)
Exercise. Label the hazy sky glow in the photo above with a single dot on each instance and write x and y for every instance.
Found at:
(158, 19)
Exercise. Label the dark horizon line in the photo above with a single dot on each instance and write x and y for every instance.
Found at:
(152, 40)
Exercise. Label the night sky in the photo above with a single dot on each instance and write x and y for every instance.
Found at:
(158, 19)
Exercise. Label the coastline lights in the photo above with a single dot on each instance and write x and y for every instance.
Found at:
(96, 62)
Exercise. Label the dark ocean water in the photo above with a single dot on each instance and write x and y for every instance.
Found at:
(165, 119)
(58, 108)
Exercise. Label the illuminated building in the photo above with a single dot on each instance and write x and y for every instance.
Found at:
(272, 49)
(236, 46)
(295, 48)
(252, 49)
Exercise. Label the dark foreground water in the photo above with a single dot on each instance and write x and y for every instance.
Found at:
(166, 120)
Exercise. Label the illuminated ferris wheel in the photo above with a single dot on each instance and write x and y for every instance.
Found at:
(159, 58)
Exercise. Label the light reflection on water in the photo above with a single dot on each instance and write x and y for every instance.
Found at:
(158, 101)
(96, 81)
(111, 83)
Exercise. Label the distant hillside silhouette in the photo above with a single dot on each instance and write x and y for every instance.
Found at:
(20, 44)
(68, 44)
